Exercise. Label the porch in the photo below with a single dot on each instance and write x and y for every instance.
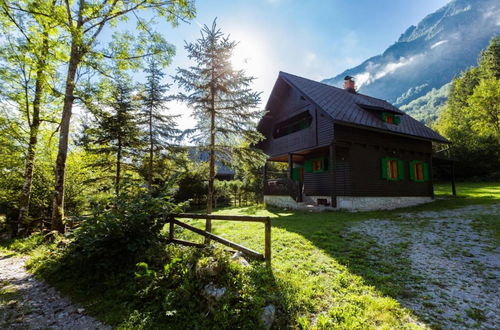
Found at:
(292, 186)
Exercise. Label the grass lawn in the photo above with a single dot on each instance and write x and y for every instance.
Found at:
(326, 276)
(330, 276)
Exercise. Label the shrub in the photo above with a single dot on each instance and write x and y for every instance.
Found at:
(115, 237)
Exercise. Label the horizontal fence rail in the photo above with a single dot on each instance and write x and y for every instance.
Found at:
(173, 220)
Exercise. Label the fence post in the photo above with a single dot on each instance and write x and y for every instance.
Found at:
(267, 252)
(171, 229)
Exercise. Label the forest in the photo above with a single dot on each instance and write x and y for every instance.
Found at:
(92, 161)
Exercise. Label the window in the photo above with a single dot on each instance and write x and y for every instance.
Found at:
(292, 125)
(392, 169)
(316, 165)
(390, 118)
(419, 171)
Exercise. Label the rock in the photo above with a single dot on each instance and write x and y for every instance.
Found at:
(238, 256)
(211, 291)
(80, 310)
(211, 268)
(268, 316)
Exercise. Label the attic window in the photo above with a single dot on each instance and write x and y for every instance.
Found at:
(292, 125)
(391, 118)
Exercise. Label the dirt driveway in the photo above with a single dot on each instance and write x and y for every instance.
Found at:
(456, 259)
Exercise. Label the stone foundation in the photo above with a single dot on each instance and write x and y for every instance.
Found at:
(281, 201)
(349, 203)
(378, 203)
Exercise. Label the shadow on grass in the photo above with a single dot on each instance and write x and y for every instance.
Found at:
(385, 268)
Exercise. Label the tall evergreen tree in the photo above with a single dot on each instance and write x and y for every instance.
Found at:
(115, 130)
(160, 126)
(221, 98)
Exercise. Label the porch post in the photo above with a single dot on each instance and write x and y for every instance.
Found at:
(264, 179)
(290, 166)
(431, 171)
(265, 172)
(453, 188)
(332, 175)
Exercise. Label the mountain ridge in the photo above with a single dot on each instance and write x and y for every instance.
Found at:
(427, 56)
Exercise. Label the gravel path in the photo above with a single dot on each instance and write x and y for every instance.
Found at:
(26, 303)
(457, 262)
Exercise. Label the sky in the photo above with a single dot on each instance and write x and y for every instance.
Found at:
(316, 39)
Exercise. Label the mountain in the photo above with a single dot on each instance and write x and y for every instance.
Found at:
(427, 56)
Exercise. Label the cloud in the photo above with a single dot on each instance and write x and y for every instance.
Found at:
(439, 43)
(375, 71)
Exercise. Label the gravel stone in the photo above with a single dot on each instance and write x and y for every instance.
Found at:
(40, 306)
(459, 266)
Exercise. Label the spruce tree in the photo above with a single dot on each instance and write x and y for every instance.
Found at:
(115, 127)
(221, 99)
(161, 127)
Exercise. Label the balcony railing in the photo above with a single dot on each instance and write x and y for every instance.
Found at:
(283, 187)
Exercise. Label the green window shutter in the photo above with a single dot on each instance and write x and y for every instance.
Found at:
(325, 164)
(308, 166)
(383, 166)
(382, 116)
(397, 120)
(426, 171)
(412, 170)
(401, 170)
(295, 174)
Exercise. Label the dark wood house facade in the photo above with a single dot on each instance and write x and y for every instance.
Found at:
(343, 149)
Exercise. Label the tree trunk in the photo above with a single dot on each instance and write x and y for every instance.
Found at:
(24, 202)
(62, 152)
(211, 178)
(151, 147)
(118, 167)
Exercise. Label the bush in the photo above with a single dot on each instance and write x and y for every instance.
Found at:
(175, 292)
(116, 236)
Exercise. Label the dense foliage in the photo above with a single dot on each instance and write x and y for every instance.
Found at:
(471, 118)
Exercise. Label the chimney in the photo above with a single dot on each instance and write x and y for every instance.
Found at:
(349, 84)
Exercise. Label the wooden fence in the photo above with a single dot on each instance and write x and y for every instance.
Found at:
(173, 220)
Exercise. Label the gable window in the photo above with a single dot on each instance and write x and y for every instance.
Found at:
(390, 118)
(392, 169)
(419, 171)
(292, 125)
(316, 165)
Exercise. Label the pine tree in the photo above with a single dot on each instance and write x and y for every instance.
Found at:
(160, 126)
(115, 129)
(221, 99)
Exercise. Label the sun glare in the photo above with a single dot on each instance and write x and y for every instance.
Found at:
(248, 54)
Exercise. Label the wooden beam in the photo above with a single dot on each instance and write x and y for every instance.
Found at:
(171, 230)
(220, 240)
(247, 218)
(290, 166)
(186, 243)
(333, 196)
(267, 251)
(431, 170)
(453, 188)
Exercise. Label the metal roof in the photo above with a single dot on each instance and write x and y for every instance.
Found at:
(358, 109)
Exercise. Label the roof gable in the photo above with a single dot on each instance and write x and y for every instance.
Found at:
(357, 109)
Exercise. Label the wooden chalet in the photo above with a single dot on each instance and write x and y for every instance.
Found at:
(344, 149)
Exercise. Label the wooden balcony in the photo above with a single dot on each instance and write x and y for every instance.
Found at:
(283, 187)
